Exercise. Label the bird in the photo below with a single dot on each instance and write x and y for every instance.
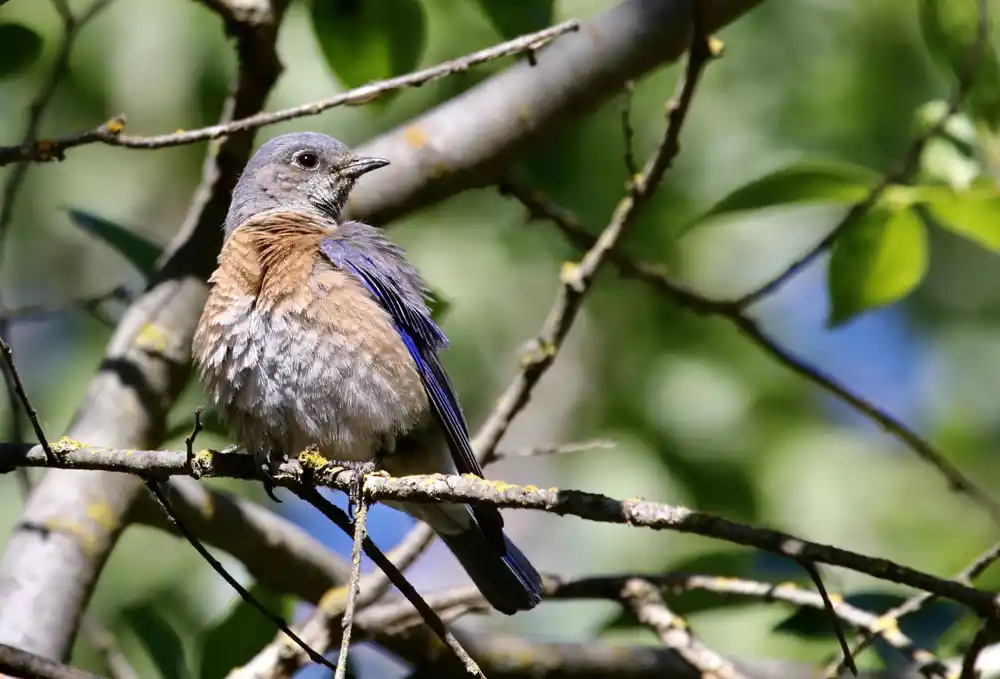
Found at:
(316, 335)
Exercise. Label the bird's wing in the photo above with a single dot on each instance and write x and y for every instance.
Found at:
(422, 338)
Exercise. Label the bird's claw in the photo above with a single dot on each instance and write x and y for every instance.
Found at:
(359, 471)
(267, 473)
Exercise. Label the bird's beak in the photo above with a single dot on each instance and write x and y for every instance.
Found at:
(356, 167)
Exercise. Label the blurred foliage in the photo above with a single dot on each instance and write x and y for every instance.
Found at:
(365, 41)
(811, 104)
(19, 48)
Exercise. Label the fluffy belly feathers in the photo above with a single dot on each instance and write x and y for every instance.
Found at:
(320, 372)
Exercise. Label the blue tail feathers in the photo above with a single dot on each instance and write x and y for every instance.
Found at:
(508, 581)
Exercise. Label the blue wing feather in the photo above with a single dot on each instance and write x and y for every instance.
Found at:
(422, 338)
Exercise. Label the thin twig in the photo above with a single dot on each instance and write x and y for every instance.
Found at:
(649, 607)
(609, 588)
(31, 312)
(890, 619)
(110, 133)
(551, 449)
(22, 395)
(540, 206)
(196, 428)
(576, 278)
(156, 489)
(986, 631)
(71, 26)
(340, 518)
(906, 167)
(628, 133)
(360, 517)
(838, 629)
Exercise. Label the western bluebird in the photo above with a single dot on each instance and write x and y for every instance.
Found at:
(316, 333)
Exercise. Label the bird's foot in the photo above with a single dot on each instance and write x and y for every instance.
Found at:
(268, 468)
(359, 470)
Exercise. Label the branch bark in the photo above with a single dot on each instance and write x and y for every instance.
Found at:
(72, 521)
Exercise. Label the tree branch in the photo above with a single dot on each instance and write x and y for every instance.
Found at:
(540, 206)
(16, 662)
(651, 610)
(461, 144)
(71, 521)
(466, 489)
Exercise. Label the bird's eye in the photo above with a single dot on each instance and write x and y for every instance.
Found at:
(307, 160)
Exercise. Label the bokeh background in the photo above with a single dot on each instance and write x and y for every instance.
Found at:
(698, 414)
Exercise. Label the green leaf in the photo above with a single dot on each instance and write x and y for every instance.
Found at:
(951, 31)
(365, 41)
(513, 18)
(20, 47)
(878, 260)
(159, 638)
(241, 634)
(797, 184)
(973, 214)
(141, 253)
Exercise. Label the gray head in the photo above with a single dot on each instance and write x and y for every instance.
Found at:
(299, 171)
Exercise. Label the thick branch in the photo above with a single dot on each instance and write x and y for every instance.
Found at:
(71, 521)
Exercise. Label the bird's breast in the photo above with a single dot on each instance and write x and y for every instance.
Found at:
(301, 355)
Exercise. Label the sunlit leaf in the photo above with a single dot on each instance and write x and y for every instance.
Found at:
(801, 183)
(951, 31)
(240, 634)
(512, 18)
(160, 640)
(364, 41)
(878, 260)
(140, 252)
(944, 161)
(973, 214)
(20, 47)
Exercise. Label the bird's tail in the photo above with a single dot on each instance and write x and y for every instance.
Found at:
(508, 580)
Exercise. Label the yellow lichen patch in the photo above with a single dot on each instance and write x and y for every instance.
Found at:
(101, 514)
(716, 47)
(333, 598)
(886, 623)
(205, 456)
(835, 599)
(312, 459)
(87, 540)
(153, 338)
(415, 136)
(501, 486)
(569, 274)
(67, 445)
(530, 489)
(115, 126)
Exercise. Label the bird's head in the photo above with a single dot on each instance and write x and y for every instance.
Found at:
(298, 171)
